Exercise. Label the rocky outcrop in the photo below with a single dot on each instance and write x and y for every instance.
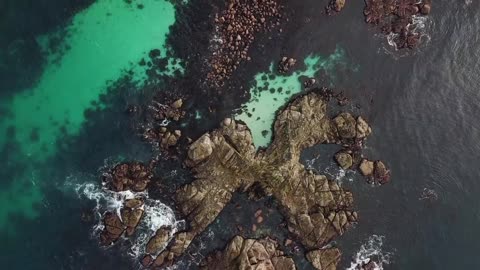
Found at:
(396, 17)
(376, 171)
(225, 161)
(172, 111)
(344, 160)
(236, 27)
(249, 254)
(133, 176)
(115, 226)
(324, 259)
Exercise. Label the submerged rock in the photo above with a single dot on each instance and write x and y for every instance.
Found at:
(249, 254)
(158, 241)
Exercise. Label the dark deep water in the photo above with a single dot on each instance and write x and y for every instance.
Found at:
(423, 114)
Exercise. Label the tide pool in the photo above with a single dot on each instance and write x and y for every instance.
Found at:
(103, 42)
(273, 90)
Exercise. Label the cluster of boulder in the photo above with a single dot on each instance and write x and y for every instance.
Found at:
(115, 226)
(316, 209)
(396, 16)
(285, 64)
(237, 26)
(133, 176)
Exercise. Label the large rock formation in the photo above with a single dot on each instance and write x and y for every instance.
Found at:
(249, 254)
(225, 161)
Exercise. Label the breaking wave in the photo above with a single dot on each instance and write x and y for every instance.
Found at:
(156, 214)
(373, 251)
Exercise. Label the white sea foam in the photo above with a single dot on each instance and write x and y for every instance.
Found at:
(156, 214)
(371, 250)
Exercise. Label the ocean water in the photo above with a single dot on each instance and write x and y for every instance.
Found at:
(67, 123)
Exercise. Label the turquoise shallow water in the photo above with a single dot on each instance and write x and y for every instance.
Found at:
(273, 90)
(102, 43)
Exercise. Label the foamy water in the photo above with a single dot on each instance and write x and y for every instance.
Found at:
(372, 249)
(156, 214)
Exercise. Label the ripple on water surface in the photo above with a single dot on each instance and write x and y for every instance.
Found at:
(102, 42)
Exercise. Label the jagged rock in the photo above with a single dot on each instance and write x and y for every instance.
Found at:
(131, 217)
(249, 254)
(324, 259)
(158, 241)
(114, 228)
(344, 159)
(236, 29)
(363, 129)
(129, 176)
(201, 149)
(346, 125)
(382, 174)
(366, 167)
(395, 17)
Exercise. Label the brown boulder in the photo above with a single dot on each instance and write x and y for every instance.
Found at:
(366, 167)
(346, 125)
(344, 159)
(114, 228)
(129, 176)
(158, 241)
(324, 259)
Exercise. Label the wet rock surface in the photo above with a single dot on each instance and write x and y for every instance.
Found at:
(324, 259)
(115, 226)
(225, 161)
(133, 176)
(395, 17)
(237, 26)
(286, 64)
(243, 253)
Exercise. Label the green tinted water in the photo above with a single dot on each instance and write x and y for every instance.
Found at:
(273, 90)
(104, 41)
